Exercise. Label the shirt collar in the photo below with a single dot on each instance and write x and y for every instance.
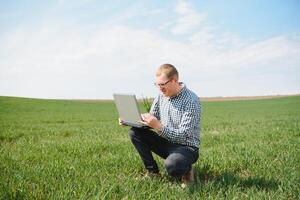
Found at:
(180, 92)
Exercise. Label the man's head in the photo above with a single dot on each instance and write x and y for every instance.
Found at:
(167, 80)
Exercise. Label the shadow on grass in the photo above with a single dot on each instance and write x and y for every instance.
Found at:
(223, 180)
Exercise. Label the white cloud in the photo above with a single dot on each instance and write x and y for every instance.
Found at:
(52, 61)
(187, 20)
(203, 37)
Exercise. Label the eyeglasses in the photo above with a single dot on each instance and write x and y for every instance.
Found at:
(162, 84)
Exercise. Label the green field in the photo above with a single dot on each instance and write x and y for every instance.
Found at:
(55, 149)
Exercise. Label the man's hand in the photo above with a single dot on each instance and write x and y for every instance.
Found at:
(150, 120)
(121, 122)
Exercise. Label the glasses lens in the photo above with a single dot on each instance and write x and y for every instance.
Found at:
(162, 84)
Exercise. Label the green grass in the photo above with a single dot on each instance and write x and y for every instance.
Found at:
(54, 149)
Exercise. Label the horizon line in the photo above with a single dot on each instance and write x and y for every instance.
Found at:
(203, 98)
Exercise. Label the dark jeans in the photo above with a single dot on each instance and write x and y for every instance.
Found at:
(178, 158)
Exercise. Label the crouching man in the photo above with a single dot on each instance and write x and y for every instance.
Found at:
(175, 119)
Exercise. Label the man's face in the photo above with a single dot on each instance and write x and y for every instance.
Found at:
(165, 85)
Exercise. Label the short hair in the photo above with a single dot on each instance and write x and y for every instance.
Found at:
(169, 70)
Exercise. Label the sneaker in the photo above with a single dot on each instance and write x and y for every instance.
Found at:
(188, 177)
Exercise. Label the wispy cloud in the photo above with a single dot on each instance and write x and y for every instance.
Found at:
(188, 19)
(92, 62)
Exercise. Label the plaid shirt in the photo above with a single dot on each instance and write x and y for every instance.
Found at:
(179, 117)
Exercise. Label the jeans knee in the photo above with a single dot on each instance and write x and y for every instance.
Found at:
(175, 166)
(133, 133)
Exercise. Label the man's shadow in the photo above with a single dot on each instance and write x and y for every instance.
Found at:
(205, 175)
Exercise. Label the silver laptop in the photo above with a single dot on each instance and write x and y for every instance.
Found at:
(128, 109)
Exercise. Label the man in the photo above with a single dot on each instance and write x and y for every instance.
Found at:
(175, 118)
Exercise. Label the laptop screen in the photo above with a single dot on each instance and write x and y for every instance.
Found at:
(128, 109)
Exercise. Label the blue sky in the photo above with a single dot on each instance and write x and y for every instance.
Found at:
(91, 49)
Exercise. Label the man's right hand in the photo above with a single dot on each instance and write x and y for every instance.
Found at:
(150, 120)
